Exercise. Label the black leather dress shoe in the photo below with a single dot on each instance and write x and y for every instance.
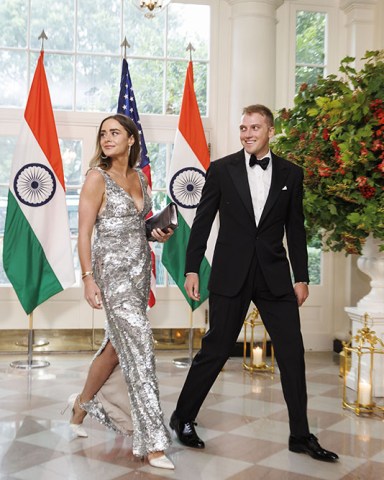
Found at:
(186, 432)
(311, 446)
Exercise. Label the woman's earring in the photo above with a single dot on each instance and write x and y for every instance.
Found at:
(103, 157)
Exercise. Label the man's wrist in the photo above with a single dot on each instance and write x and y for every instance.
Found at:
(303, 283)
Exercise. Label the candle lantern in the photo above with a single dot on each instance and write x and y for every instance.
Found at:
(255, 335)
(366, 352)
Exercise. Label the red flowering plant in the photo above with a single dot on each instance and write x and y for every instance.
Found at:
(335, 131)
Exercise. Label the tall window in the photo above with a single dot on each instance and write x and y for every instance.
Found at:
(83, 66)
(83, 54)
(310, 65)
(310, 46)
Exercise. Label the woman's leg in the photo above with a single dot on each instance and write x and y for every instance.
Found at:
(99, 371)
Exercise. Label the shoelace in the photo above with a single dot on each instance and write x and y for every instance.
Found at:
(189, 428)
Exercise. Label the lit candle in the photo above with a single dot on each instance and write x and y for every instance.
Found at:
(257, 356)
(364, 393)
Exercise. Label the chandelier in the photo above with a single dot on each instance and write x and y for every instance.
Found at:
(151, 7)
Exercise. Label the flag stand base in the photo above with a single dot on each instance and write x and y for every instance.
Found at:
(29, 365)
(182, 362)
(186, 361)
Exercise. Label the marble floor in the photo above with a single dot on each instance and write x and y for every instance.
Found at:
(243, 422)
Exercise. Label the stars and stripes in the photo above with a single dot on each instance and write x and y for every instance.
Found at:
(127, 106)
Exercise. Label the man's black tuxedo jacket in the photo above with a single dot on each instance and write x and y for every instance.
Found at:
(227, 191)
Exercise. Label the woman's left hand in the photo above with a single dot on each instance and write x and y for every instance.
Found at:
(160, 236)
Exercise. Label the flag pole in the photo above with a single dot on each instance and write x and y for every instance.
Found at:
(187, 361)
(30, 363)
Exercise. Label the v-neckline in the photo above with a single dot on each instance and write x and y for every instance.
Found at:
(129, 195)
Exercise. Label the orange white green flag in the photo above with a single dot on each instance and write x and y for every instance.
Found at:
(189, 163)
(37, 253)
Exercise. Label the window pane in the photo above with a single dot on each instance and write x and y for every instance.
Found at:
(157, 153)
(146, 37)
(175, 84)
(58, 20)
(188, 24)
(59, 72)
(71, 154)
(98, 27)
(310, 37)
(72, 199)
(13, 23)
(13, 79)
(3, 278)
(200, 73)
(7, 147)
(147, 83)
(3, 209)
(76, 261)
(97, 83)
(314, 261)
(160, 270)
(308, 75)
(159, 200)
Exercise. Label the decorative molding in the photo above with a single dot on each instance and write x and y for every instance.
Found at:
(349, 5)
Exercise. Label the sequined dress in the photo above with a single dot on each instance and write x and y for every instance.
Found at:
(122, 269)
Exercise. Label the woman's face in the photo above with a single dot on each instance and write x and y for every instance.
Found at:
(114, 139)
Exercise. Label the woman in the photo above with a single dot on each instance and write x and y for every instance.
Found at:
(116, 271)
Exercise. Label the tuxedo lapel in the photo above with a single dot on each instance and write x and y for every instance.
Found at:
(238, 173)
(279, 175)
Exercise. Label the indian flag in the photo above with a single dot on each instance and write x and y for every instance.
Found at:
(189, 163)
(37, 253)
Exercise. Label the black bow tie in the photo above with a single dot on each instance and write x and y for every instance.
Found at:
(254, 161)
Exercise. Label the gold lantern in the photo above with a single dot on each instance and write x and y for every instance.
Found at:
(361, 351)
(256, 361)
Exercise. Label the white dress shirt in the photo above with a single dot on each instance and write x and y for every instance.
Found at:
(259, 184)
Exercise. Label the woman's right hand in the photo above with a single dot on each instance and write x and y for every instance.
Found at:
(92, 292)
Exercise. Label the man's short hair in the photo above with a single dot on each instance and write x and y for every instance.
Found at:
(262, 110)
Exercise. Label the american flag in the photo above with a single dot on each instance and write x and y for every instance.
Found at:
(127, 106)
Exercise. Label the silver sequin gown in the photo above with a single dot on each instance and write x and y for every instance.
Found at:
(122, 269)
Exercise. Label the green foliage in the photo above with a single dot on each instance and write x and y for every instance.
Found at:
(335, 131)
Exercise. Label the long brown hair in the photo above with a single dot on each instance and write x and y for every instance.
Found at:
(134, 154)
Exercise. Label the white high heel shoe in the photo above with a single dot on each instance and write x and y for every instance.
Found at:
(76, 428)
(161, 462)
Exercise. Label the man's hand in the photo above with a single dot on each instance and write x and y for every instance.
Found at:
(191, 286)
(301, 292)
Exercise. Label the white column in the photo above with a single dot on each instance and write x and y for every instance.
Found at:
(360, 25)
(253, 59)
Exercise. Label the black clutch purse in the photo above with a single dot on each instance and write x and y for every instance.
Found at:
(166, 218)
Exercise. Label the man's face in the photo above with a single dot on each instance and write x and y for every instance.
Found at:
(255, 133)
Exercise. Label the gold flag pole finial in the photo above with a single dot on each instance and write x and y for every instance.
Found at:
(125, 44)
(42, 36)
(191, 49)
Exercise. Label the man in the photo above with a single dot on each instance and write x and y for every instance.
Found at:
(259, 198)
